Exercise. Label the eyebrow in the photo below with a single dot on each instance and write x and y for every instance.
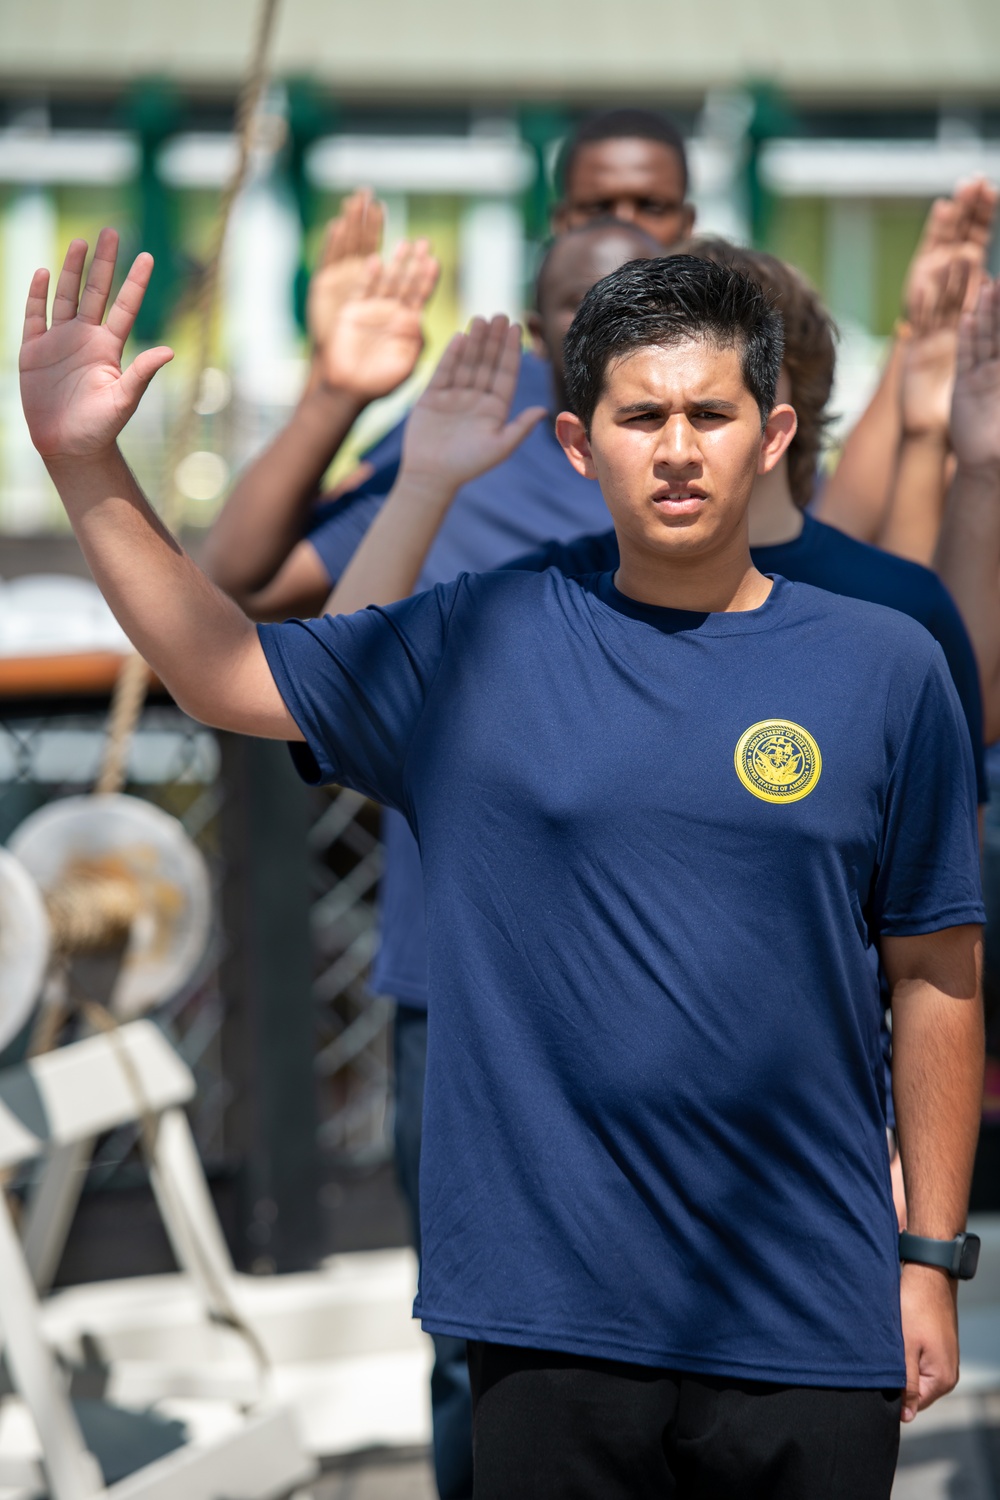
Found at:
(635, 408)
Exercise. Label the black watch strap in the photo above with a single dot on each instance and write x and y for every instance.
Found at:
(959, 1257)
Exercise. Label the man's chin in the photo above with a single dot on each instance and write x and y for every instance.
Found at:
(681, 535)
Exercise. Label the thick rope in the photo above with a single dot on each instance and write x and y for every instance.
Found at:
(133, 679)
(91, 913)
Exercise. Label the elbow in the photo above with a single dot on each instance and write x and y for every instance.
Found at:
(198, 705)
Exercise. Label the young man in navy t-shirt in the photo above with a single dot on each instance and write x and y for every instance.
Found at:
(784, 539)
(668, 818)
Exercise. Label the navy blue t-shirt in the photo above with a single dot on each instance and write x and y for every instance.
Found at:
(820, 555)
(829, 559)
(659, 849)
(534, 496)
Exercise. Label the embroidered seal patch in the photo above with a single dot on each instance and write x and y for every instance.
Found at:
(778, 761)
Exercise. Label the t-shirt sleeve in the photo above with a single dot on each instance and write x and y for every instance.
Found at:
(384, 455)
(356, 686)
(927, 876)
(948, 629)
(584, 555)
(337, 528)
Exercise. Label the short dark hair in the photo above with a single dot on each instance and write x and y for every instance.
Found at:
(619, 124)
(810, 355)
(606, 223)
(663, 302)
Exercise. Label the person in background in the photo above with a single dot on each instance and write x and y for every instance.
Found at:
(857, 495)
(968, 549)
(930, 348)
(628, 164)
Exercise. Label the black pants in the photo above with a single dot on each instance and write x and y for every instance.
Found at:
(562, 1427)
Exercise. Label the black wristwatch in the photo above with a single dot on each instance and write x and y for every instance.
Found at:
(959, 1257)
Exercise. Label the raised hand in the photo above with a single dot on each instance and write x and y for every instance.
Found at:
(350, 239)
(963, 222)
(931, 350)
(375, 339)
(975, 407)
(76, 396)
(459, 428)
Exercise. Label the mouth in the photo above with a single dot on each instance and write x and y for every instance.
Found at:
(685, 500)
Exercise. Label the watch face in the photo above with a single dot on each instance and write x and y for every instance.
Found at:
(970, 1257)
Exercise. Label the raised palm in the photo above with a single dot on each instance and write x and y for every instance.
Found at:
(975, 408)
(376, 338)
(75, 394)
(962, 223)
(348, 243)
(929, 366)
(459, 428)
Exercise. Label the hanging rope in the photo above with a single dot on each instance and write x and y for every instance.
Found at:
(133, 679)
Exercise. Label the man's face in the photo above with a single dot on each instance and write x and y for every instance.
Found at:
(573, 267)
(676, 444)
(635, 180)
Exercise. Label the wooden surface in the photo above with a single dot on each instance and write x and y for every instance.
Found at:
(84, 672)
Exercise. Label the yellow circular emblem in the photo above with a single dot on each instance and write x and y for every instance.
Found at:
(778, 761)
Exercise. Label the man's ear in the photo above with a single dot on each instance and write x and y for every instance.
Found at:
(559, 217)
(778, 433)
(576, 445)
(690, 214)
(533, 323)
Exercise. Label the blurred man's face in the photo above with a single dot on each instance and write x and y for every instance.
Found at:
(639, 181)
(573, 266)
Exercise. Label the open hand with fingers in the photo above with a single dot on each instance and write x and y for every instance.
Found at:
(975, 407)
(76, 396)
(459, 428)
(961, 224)
(932, 347)
(349, 241)
(374, 339)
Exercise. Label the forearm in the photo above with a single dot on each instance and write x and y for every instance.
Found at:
(856, 495)
(913, 519)
(937, 1084)
(388, 562)
(968, 561)
(194, 637)
(266, 512)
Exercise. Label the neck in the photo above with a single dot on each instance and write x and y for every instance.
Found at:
(716, 583)
(774, 516)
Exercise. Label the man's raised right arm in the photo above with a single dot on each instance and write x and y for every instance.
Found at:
(77, 399)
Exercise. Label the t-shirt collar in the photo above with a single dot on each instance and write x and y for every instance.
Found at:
(673, 621)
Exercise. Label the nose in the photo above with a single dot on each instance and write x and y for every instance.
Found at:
(678, 445)
(626, 209)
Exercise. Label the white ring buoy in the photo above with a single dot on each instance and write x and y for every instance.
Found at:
(130, 841)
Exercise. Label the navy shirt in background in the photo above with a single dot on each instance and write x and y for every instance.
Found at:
(534, 496)
(654, 1123)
